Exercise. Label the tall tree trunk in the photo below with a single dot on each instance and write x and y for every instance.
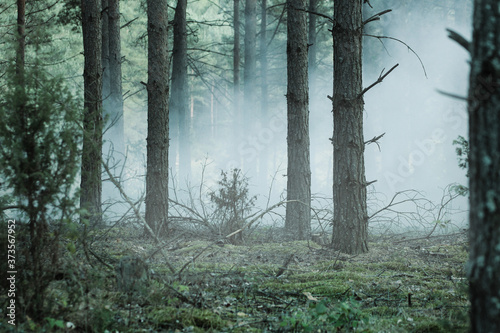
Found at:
(237, 116)
(350, 224)
(264, 154)
(484, 166)
(21, 40)
(91, 185)
(313, 8)
(106, 88)
(157, 140)
(249, 76)
(298, 216)
(116, 132)
(179, 94)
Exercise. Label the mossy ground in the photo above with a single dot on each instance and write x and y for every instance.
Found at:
(401, 285)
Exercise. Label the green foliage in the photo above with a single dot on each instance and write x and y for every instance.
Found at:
(54, 323)
(39, 136)
(320, 315)
(102, 319)
(39, 159)
(462, 151)
(232, 202)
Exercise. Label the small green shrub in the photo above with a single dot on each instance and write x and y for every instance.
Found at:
(232, 203)
(320, 315)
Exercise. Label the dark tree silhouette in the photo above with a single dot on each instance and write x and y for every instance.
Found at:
(350, 224)
(115, 112)
(157, 139)
(484, 166)
(179, 90)
(298, 216)
(91, 185)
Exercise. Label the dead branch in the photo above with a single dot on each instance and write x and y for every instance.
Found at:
(376, 17)
(375, 139)
(194, 258)
(252, 221)
(128, 23)
(445, 200)
(316, 13)
(284, 267)
(400, 41)
(452, 95)
(379, 80)
(129, 201)
(459, 39)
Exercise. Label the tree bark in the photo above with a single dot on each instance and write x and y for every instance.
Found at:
(313, 8)
(91, 185)
(116, 132)
(249, 77)
(263, 156)
(350, 224)
(105, 54)
(298, 216)
(484, 165)
(21, 40)
(179, 94)
(237, 116)
(157, 139)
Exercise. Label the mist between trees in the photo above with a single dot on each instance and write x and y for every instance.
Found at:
(221, 122)
(214, 119)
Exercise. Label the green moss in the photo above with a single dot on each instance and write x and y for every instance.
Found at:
(178, 318)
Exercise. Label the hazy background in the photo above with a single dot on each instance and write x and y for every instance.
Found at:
(419, 123)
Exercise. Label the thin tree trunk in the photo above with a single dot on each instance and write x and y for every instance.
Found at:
(115, 112)
(157, 140)
(350, 225)
(21, 40)
(484, 165)
(106, 88)
(298, 216)
(264, 154)
(313, 8)
(249, 76)
(179, 94)
(91, 185)
(237, 116)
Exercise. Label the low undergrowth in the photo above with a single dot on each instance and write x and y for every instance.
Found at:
(197, 286)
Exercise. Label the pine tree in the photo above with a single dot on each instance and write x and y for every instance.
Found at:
(484, 166)
(157, 139)
(298, 216)
(350, 224)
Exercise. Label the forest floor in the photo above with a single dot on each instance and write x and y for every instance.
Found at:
(403, 284)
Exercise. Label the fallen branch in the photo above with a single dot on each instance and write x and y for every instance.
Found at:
(252, 221)
(129, 201)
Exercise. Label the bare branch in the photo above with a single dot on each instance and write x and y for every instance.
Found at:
(376, 17)
(459, 39)
(400, 41)
(375, 139)
(379, 80)
(452, 95)
(129, 201)
(252, 221)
